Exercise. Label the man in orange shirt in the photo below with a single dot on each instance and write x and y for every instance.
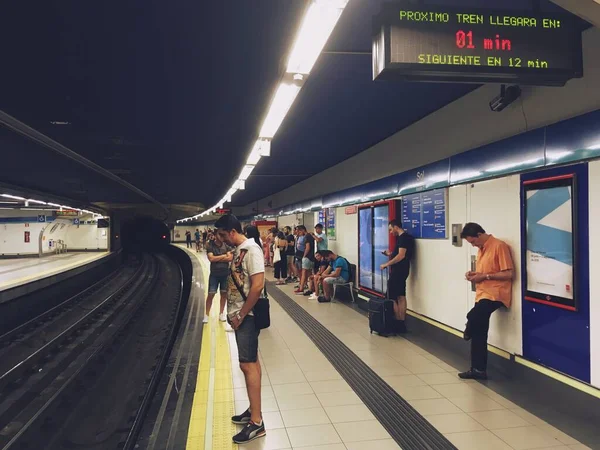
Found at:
(493, 280)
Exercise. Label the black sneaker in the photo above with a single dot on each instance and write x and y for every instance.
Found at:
(242, 419)
(250, 432)
(473, 374)
(307, 293)
(323, 299)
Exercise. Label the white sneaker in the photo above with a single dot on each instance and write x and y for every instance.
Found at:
(205, 320)
(223, 317)
(312, 297)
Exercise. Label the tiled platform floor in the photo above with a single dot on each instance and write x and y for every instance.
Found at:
(307, 404)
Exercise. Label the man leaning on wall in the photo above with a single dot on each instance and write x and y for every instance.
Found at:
(493, 280)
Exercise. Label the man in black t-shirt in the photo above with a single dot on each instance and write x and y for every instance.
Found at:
(399, 265)
(289, 253)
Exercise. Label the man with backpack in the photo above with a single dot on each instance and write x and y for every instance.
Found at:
(337, 273)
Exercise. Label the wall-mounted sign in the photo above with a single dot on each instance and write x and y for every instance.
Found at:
(76, 221)
(431, 43)
(65, 213)
(351, 209)
(424, 214)
(41, 218)
(330, 224)
(27, 236)
(321, 217)
(551, 214)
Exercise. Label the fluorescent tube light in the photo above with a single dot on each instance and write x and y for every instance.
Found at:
(317, 26)
(282, 101)
(254, 155)
(14, 197)
(264, 148)
(246, 171)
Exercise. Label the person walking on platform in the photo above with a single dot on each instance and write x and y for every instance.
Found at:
(399, 265)
(220, 255)
(188, 239)
(493, 290)
(246, 283)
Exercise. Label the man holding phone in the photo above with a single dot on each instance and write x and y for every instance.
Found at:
(399, 265)
(493, 290)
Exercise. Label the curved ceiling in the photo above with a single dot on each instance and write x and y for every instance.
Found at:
(169, 95)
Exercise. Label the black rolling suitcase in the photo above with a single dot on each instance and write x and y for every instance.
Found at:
(381, 315)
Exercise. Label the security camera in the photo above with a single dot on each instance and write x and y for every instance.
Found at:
(506, 97)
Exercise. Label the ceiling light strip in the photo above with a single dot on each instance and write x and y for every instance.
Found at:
(317, 26)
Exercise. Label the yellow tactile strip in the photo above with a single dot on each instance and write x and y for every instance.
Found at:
(210, 423)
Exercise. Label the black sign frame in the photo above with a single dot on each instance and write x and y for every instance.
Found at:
(385, 69)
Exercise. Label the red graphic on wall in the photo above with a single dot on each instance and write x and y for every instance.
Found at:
(27, 236)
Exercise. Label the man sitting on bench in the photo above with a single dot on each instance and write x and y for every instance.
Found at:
(339, 273)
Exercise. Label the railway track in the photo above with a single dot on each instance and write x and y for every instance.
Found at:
(82, 375)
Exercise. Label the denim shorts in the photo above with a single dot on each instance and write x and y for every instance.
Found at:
(216, 281)
(307, 264)
(337, 280)
(246, 337)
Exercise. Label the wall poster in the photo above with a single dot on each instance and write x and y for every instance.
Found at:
(321, 218)
(330, 225)
(550, 234)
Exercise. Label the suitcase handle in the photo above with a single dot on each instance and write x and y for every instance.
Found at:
(383, 286)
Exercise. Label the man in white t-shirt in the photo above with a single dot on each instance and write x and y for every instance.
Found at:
(247, 272)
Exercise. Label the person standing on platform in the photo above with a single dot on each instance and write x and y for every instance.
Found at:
(247, 274)
(280, 267)
(399, 264)
(197, 238)
(308, 258)
(204, 237)
(289, 254)
(188, 239)
(220, 256)
(320, 237)
(493, 282)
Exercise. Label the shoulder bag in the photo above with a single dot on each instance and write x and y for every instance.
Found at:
(262, 316)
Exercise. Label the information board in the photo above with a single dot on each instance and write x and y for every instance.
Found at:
(433, 219)
(411, 214)
(424, 214)
(431, 43)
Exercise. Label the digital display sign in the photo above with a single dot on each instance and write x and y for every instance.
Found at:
(419, 43)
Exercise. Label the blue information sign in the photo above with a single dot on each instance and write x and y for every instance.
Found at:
(424, 214)
(411, 214)
(433, 223)
(41, 218)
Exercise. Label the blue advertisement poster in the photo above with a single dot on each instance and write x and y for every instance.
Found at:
(550, 242)
(330, 224)
(322, 217)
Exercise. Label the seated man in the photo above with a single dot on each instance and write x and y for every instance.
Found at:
(340, 274)
(314, 281)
